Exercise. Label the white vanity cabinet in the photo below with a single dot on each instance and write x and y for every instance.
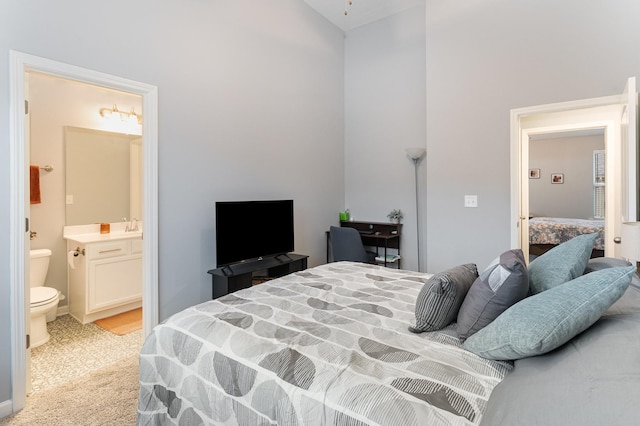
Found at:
(106, 277)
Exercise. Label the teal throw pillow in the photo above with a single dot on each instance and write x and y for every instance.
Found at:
(560, 264)
(541, 323)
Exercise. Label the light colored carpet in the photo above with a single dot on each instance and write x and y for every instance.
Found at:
(108, 396)
(75, 350)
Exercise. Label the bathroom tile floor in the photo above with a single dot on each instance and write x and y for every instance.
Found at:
(75, 350)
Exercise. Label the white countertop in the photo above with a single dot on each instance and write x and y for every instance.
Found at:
(85, 234)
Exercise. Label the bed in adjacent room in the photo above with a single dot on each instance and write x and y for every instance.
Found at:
(547, 232)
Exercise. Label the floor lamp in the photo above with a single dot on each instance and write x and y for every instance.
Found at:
(416, 154)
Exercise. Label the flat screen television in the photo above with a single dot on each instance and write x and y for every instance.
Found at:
(250, 230)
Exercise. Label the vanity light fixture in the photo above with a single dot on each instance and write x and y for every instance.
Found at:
(114, 112)
(350, 2)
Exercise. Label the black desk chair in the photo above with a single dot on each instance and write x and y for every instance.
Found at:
(346, 244)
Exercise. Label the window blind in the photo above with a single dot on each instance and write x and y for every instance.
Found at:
(598, 183)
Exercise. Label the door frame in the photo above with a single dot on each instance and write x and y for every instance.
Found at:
(20, 64)
(572, 115)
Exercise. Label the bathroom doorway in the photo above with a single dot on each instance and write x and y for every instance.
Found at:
(21, 65)
(88, 174)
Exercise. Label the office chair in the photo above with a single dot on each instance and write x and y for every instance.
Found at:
(346, 244)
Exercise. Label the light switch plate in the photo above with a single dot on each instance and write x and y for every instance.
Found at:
(471, 201)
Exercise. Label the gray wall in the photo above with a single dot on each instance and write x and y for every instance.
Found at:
(573, 157)
(269, 74)
(250, 106)
(484, 59)
(385, 107)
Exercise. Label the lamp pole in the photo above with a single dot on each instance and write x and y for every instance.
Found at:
(415, 154)
(415, 167)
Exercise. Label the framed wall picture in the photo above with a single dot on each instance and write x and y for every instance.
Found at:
(534, 173)
(557, 178)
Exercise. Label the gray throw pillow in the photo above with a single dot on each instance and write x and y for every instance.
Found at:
(440, 298)
(545, 321)
(504, 282)
(561, 264)
(600, 263)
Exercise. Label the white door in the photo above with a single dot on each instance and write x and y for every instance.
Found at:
(27, 237)
(629, 147)
(524, 190)
(628, 162)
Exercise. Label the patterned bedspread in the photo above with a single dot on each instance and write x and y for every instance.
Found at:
(556, 230)
(325, 346)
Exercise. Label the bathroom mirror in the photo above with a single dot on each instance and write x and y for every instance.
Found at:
(103, 176)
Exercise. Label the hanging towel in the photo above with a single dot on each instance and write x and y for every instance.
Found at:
(34, 187)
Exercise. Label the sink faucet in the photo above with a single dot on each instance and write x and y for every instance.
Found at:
(132, 226)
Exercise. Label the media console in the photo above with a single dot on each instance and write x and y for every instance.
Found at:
(237, 276)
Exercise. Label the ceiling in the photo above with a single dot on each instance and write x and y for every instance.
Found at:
(361, 12)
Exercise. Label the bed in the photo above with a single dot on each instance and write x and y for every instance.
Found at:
(592, 380)
(329, 345)
(547, 232)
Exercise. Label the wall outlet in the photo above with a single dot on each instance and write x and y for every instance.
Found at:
(471, 201)
(69, 199)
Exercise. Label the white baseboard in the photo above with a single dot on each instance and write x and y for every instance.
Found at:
(62, 310)
(6, 408)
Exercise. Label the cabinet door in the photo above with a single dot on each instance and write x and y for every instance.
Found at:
(114, 281)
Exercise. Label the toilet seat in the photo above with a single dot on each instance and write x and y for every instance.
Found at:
(42, 295)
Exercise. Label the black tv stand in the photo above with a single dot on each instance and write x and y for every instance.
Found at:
(237, 276)
(285, 255)
(226, 270)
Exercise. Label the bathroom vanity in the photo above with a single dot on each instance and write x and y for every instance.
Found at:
(104, 272)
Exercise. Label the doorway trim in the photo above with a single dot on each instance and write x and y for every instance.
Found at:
(21, 63)
(519, 149)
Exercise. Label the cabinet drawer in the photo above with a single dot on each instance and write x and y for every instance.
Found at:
(136, 246)
(104, 250)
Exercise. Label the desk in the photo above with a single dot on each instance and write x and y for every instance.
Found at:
(381, 235)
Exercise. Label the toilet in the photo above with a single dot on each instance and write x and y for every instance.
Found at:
(44, 300)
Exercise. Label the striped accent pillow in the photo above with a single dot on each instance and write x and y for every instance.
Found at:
(440, 298)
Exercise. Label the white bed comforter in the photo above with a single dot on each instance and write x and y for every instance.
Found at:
(325, 346)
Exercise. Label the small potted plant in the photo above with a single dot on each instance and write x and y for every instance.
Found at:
(395, 216)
